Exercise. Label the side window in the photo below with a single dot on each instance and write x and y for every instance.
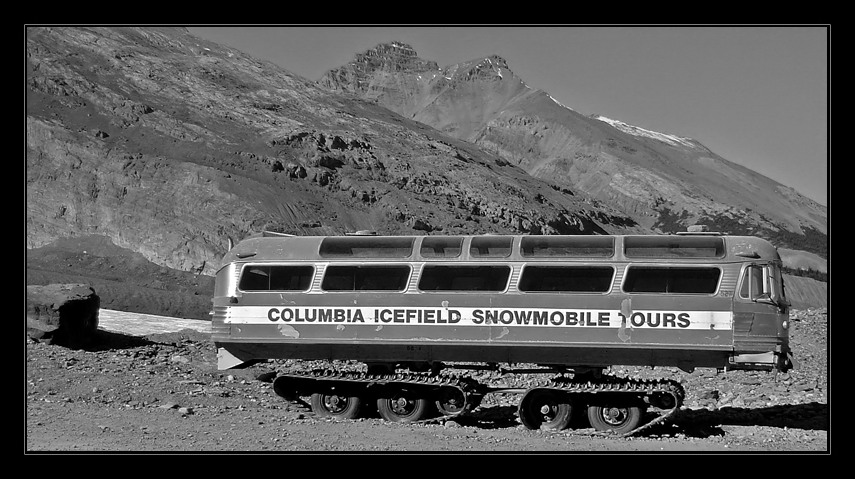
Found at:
(366, 247)
(490, 247)
(365, 278)
(464, 278)
(441, 247)
(753, 283)
(652, 279)
(571, 279)
(275, 278)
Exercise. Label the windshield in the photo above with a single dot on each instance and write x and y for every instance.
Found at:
(777, 280)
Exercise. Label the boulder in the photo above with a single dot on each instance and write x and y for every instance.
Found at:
(65, 314)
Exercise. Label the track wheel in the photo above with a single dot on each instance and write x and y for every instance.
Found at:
(403, 406)
(620, 420)
(450, 401)
(333, 405)
(545, 409)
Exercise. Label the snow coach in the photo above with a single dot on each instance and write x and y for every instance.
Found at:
(415, 311)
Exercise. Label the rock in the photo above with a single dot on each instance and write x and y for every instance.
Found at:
(179, 359)
(65, 314)
(295, 170)
(422, 225)
(709, 394)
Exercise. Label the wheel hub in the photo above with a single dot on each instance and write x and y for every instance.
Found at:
(614, 415)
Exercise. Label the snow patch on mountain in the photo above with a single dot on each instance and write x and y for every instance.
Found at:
(558, 102)
(636, 131)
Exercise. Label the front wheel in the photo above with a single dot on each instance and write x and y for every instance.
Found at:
(620, 420)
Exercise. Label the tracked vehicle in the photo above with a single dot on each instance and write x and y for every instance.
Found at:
(418, 311)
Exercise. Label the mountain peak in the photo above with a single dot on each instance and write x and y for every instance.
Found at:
(394, 56)
(492, 67)
(663, 180)
(494, 61)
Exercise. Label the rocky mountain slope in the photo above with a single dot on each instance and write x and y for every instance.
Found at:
(662, 181)
(122, 279)
(170, 146)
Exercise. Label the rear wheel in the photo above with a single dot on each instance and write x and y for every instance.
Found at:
(545, 409)
(620, 420)
(403, 406)
(338, 406)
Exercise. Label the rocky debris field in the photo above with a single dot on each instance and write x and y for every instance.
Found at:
(163, 393)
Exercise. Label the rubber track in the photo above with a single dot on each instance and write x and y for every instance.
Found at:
(474, 391)
(614, 384)
(467, 386)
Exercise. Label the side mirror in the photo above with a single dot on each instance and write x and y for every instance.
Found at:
(765, 298)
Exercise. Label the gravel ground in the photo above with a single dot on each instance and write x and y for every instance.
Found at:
(163, 393)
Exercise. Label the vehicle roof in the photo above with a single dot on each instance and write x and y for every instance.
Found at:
(308, 248)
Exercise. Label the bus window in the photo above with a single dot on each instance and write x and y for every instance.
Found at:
(365, 278)
(490, 247)
(574, 279)
(366, 247)
(276, 278)
(764, 284)
(552, 246)
(464, 278)
(673, 247)
(644, 279)
(441, 247)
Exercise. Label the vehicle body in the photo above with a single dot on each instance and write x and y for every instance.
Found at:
(566, 303)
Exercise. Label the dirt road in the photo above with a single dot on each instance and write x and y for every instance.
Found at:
(162, 392)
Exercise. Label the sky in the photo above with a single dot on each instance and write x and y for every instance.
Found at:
(755, 95)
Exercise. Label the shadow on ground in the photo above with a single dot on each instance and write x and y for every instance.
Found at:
(704, 423)
(106, 340)
(102, 340)
(691, 423)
